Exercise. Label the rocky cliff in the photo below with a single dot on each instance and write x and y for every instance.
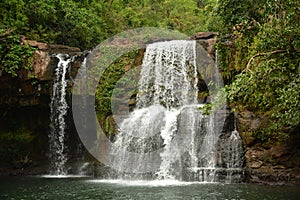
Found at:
(24, 106)
(269, 163)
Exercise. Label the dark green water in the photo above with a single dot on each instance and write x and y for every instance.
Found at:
(84, 188)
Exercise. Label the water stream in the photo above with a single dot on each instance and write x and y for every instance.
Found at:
(59, 109)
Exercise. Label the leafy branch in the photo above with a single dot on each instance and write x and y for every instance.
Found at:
(262, 54)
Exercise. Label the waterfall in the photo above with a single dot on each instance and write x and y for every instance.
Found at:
(59, 107)
(169, 75)
(235, 155)
(167, 119)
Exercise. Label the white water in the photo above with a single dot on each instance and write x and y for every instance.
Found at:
(167, 107)
(145, 183)
(63, 176)
(169, 75)
(59, 109)
(235, 156)
(167, 120)
(170, 153)
(167, 84)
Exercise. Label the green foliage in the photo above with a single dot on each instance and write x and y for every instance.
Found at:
(206, 109)
(64, 22)
(235, 49)
(108, 81)
(269, 137)
(272, 87)
(15, 55)
(258, 48)
(235, 12)
(260, 62)
(12, 14)
(86, 23)
(181, 15)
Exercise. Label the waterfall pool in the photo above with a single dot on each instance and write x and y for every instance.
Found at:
(87, 188)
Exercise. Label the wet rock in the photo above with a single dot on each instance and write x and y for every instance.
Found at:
(132, 104)
(275, 164)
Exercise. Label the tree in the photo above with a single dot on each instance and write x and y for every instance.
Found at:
(265, 52)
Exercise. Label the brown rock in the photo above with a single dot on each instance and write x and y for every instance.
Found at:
(256, 164)
(211, 49)
(52, 48)
(132, 102)
(246, 114)
(40, 64)
(57, 48)
(255, 124)
(212, 41)
(203, 43)
(248, 139)
(247, 121)
(39, 45)
(204, 35)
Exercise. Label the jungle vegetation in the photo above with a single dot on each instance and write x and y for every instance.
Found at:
(258, 43)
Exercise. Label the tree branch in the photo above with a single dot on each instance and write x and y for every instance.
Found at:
(7, 32)
(262, 54)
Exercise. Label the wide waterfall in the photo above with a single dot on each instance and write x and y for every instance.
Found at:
(59, 108)
(167, 119)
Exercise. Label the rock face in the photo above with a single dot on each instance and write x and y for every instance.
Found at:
(207, 40)
(272, 163)
(25, 99)
(31, 88)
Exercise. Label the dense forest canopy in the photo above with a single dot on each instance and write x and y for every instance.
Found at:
(259, 43)
(88, 22)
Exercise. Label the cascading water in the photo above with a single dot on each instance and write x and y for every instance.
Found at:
(167, 117)
(59, 106)
(235, 156)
